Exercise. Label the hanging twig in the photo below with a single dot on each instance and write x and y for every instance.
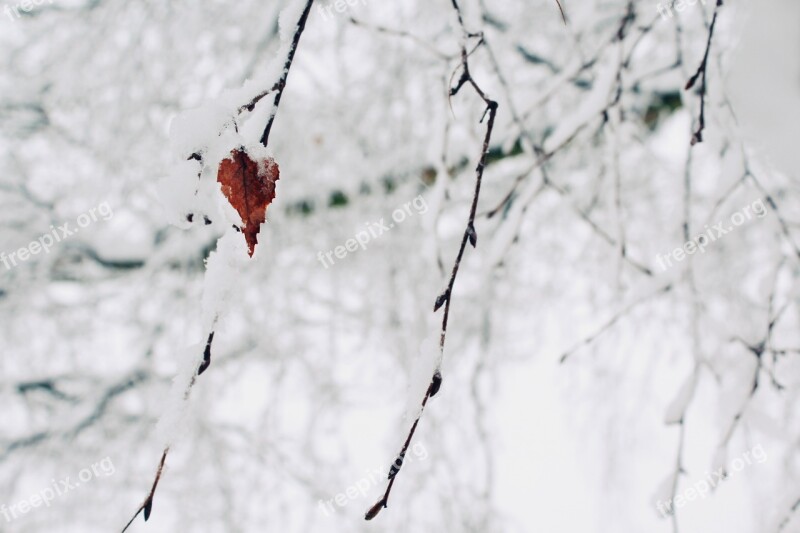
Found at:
(278, 88)
(614, 319)
(147, 505)
(561, 9)
(281, 85)
(470, 236)
(701, 73)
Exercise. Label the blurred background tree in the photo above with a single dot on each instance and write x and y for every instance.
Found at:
(590, 177)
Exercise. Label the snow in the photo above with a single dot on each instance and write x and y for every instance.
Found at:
(193, 131)
(663, 493)
(312, 365)
(591, 106)
(677, 408)
(177, 192)
(288, 19)
(765, 93)
(174, 421)
(222, 274)
(427, 362)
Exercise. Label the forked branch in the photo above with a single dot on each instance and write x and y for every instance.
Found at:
(697, 137)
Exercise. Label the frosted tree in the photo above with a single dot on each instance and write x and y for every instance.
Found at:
(596, 202)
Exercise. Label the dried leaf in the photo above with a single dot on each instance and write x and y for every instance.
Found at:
(250, 187)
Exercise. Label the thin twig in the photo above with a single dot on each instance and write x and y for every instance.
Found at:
(563, 15)
(701, 73)
(278, 88)
(287, 66)
(470, 236)
(792, 510)
(403, 34)
(613, 320)
(147, 505)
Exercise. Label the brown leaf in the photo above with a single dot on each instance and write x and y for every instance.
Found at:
(250, 187)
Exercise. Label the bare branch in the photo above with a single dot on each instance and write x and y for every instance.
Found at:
(470, 236)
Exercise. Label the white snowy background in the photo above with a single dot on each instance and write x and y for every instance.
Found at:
(685, 370)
